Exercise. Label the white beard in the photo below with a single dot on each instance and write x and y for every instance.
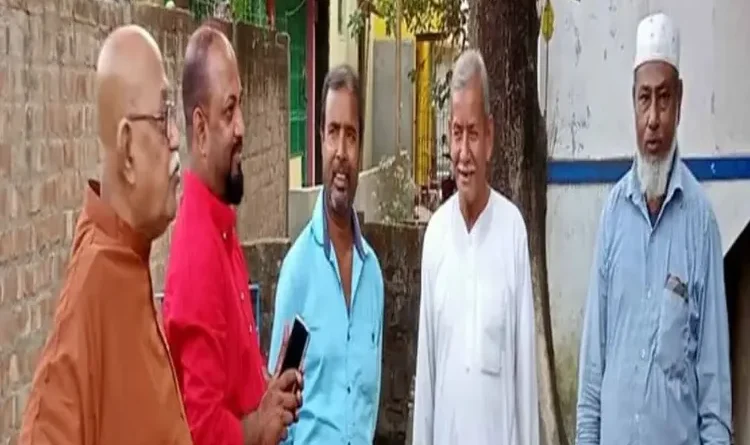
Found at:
(653, 172)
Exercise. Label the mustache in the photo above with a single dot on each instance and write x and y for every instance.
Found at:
(174, 163)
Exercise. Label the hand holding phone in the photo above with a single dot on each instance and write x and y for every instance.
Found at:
(280, 405)
(296, 345)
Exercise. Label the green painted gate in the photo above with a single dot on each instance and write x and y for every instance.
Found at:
(291, 16)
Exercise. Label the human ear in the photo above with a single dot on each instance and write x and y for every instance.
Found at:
(490, 136)
(125, 150)
(199, 125)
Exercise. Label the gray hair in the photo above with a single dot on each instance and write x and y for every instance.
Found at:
(469, 65)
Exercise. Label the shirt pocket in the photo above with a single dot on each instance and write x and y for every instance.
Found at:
(366, 347)
(672, 334)
(492, 340)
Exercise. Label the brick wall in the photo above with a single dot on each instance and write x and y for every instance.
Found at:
(48, 149)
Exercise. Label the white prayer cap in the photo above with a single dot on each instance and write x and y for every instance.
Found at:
(658, 40)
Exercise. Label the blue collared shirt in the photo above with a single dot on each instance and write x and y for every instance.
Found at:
(654, 362)
(343, 360)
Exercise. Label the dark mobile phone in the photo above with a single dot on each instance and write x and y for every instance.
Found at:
(295, 348)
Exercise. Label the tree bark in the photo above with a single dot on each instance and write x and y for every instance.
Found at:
(507, 33)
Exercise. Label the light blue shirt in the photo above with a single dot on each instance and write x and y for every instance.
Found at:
(654, 362)
(343, 361)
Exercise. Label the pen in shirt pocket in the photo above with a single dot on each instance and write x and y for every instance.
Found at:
(676, 286)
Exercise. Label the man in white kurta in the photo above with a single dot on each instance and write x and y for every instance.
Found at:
(476, 364)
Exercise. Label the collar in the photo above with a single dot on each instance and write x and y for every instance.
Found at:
(221, 213)
(674, 183)
(481, 226)
(105, 218)
(319, 224)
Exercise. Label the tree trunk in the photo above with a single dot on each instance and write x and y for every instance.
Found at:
(507, 32)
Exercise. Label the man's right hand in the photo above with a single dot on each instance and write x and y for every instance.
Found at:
(278, 408)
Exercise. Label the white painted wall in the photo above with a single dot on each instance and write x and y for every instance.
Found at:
(590, 116)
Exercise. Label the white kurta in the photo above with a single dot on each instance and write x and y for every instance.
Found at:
(476, 364)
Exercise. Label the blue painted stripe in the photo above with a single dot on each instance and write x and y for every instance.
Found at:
(605, 171)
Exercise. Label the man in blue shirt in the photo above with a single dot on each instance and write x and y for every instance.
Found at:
(654, 362)
(331, 277)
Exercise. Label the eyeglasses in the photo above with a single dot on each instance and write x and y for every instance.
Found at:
(164, 118)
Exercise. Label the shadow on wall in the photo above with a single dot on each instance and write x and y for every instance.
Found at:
(399, 250)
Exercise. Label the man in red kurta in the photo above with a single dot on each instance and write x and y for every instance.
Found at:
(208, 316)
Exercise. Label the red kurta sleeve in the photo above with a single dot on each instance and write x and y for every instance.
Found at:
(196, 329)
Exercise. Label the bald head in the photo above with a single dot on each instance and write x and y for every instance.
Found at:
(195, 75)
(137, 130)
(129, 75)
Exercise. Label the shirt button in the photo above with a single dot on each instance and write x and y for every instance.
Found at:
(242, 296)
(637, 418)
(643, 354)
(648, 294)
(348, 389)
(224, 235)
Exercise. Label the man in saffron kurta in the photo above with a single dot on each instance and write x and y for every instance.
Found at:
(105, 376)
(208, 314)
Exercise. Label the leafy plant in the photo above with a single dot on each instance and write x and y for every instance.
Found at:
(446, 19)
(395, 188)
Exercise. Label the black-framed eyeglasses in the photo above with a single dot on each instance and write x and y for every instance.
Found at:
(164, 118)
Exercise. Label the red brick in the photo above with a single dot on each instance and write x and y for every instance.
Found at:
(14, 323)
(48, 148)
(9, 285)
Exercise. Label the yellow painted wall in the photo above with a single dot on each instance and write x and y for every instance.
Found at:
(295, 172)
(423, 147)
(379, 30)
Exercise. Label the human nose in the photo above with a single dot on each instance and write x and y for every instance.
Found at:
(653, 118)
(239, 124)
(340, 145)
(173, 135)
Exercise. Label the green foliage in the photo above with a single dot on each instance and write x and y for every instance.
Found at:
(395, 188)
(444, 18)
(245, 11)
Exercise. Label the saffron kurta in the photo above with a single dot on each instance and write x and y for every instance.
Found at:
(105, 376)
(476, 362)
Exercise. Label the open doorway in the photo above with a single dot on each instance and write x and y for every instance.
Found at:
(737, 281)
(322, 49)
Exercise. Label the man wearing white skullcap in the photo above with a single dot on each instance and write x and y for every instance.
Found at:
(654, 359)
